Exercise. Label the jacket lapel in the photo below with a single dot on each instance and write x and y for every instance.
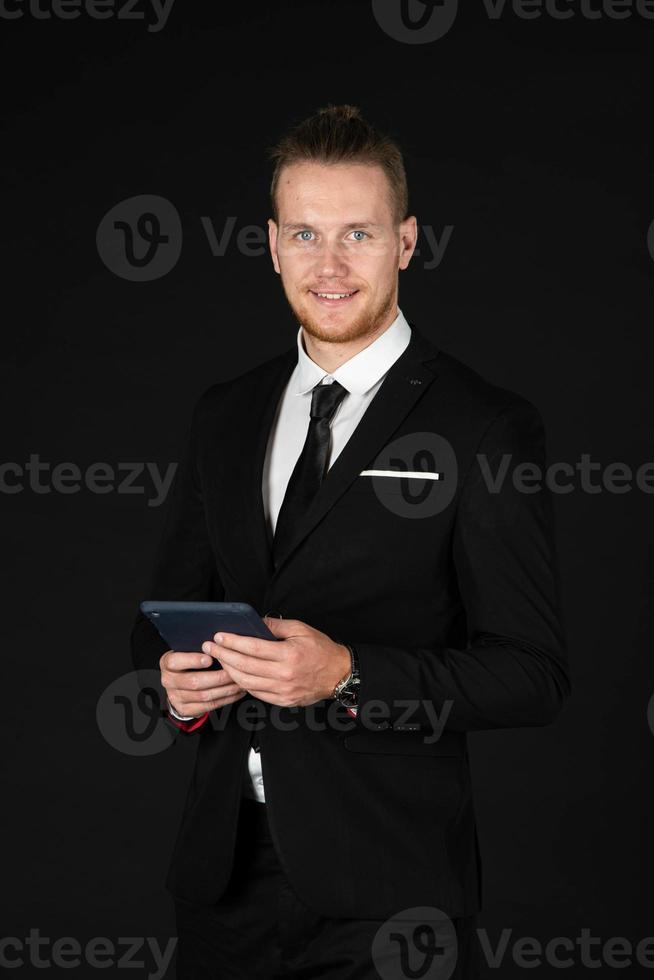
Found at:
(260, 418)
(406, 382)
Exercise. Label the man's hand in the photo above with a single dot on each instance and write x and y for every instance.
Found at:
(194, 692)
(301, 667)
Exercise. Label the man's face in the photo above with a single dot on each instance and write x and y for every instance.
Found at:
(337, 236)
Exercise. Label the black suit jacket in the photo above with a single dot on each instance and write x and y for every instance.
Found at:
(459, 606)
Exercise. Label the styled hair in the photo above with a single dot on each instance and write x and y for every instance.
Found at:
(340, 134)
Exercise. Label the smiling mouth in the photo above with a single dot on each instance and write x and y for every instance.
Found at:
(333, 298)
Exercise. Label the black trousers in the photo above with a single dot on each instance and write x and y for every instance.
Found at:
(261, 930)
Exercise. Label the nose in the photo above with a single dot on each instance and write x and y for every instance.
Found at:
(331, 264)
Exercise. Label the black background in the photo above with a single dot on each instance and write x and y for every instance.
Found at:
(531, 138)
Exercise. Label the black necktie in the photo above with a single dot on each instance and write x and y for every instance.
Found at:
(311, 465)
(308, 472)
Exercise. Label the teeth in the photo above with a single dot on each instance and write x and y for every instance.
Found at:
(335, 295)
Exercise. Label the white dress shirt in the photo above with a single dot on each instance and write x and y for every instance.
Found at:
(361, 376)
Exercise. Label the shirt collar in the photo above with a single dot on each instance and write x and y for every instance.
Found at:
(363, 370)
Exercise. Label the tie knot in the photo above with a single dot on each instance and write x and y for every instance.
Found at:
(325, 399)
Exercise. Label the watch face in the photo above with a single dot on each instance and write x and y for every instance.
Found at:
(348, 696)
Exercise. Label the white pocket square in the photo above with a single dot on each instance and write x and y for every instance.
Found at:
(404, 474)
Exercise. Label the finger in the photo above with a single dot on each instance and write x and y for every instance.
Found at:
(251, 646)
(198, 708)
(185, 698)
(248, 680)
(244, 662)
(272, 697)
(213, 697)
(284, 628)
(199, 680)
(184, 660)
(254, 682)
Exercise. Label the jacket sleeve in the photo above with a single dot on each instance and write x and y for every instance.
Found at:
(184, 565)
(513, 670)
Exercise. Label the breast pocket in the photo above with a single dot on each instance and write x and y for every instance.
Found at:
(402, 483)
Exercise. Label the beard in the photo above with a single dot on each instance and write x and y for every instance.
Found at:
(365, 322)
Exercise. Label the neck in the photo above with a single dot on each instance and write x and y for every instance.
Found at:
(331, 354)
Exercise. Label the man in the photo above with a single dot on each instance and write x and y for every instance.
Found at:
(340, 489)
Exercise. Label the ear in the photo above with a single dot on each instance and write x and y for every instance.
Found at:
(408, 240)
(272, 241)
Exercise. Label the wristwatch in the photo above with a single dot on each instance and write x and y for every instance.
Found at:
(346, 691)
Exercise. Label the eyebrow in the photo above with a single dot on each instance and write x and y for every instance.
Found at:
(301, 226)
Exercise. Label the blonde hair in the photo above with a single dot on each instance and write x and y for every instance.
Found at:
(340, 134)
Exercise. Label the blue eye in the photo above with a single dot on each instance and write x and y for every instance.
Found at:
(362, 233)
(300, 233)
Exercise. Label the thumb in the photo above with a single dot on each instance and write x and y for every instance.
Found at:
(282, 628)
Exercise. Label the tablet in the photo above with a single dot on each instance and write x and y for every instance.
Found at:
(185, 626)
